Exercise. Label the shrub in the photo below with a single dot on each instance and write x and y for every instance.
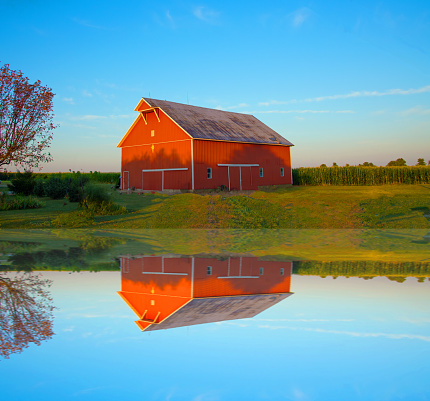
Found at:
(56, 187)
(39, 187)
(23, 183)
(96, 193)
(19, 202)
(106, 208)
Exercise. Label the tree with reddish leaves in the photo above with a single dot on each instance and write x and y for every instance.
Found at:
(25, 312)
(26, 120)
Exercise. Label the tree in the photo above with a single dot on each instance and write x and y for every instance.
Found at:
(367, 164)
(25, 313)
(26, 115)
(398, 162)
(421, 162)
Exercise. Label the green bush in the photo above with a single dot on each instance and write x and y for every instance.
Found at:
(23, 183)
(56, 187)
(39, 187)
(96, 193)
(19, 202)
(106, 208)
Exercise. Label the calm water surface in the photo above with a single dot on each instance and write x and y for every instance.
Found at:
(218, 327)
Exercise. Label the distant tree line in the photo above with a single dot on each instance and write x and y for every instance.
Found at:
(397, 271)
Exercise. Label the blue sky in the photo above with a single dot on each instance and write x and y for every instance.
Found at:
(343, 339)
(345, 81)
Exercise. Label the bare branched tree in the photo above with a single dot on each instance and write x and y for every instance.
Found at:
(26, 120)
(25, 312)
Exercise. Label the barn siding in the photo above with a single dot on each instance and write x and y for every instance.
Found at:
(170, 147)
(270, 157)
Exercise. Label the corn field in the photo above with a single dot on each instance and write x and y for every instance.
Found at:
(93, 176)
(360, 175)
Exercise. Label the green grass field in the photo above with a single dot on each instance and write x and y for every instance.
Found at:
(310, 207)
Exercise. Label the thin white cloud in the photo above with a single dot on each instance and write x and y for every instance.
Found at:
(417, 110)
(301, 111)
(271, 102)
(392, 336)
(68, 100)
(355, 94)
(85, 93)
(304, 320)
(299, 16)
(88, 24)
(205, 14)
(390, 92)
(88, 117)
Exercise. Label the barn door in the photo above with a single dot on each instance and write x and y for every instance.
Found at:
(234, 178)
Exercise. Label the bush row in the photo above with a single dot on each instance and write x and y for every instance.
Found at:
(94, 176)
(360, 175)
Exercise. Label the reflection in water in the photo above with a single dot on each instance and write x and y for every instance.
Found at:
(167, 292)
(25, 312)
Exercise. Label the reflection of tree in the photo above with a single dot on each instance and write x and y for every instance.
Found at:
(25, 312)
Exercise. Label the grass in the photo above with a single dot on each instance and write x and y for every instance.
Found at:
(310, 207)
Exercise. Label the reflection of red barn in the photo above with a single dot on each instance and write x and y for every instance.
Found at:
(167, 292)
(177, 146)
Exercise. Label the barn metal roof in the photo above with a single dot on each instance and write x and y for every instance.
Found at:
(204, 123)
(209, 310)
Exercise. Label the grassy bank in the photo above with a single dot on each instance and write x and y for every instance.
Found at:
(330, 207)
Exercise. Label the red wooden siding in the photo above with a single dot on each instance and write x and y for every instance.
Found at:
(155, 287)
(168, 148)
(208, 154)
(157, 154)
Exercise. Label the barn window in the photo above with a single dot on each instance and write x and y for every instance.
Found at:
(282, 171)
(282, 271)
(209, 270)
(261, 171)
(152, 132)
(261, 271)
(209, 173)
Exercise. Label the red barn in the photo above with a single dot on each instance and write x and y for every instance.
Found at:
(177, 291)
(177, 146)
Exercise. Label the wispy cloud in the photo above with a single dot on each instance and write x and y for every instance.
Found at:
(85, 93)
(417, 110)
(277, 102)
(68, 100)
(355, 94)
(390, 92)
(301, 111)
(237, 106)
(88, 24)
(299, 16)
(205, 14)
(88, 117)
(392, 336)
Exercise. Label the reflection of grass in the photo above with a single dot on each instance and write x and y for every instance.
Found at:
(323, 245)
(331, 207)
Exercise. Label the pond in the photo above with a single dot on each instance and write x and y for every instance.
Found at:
(215, 315)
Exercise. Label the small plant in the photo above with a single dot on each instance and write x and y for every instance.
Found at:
(19, 202)
(96, 193)
(23, 183)
(75, 219)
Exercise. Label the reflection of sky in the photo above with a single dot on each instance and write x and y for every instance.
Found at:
(345, 339)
